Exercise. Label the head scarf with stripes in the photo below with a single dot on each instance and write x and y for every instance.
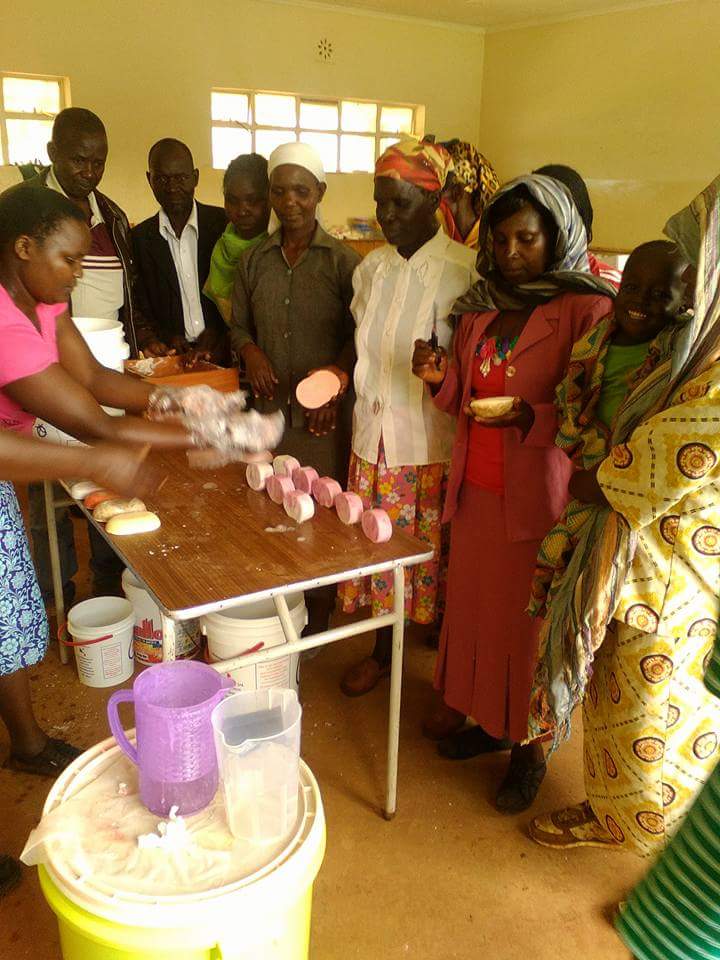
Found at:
(568, 271)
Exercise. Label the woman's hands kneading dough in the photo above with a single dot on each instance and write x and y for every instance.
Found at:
(122, 469)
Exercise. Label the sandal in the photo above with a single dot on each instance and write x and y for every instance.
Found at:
(471, 743)
(54, 757)
(9, 874)
(575, 826)
(442, 722)
(363, 677)
(519, 788)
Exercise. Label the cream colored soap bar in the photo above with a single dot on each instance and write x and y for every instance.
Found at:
(128, 523)
(112, 508)
(490, 407)
(80, 489)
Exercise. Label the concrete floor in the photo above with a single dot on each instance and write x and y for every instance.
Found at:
(448, 879)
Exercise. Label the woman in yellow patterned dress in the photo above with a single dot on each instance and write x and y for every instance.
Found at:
(651, 728)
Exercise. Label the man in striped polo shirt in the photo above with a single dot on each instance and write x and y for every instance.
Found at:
(78, 151)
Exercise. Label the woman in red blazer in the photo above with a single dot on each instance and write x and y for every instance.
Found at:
(508, 480)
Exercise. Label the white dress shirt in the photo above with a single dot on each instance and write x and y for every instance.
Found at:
(99, 292)
(184, 251)
(396, 302)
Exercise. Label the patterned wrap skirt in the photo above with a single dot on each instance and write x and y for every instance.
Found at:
(413, 497)
(23, 623)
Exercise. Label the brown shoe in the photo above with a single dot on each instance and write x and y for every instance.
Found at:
(442, 722)
(363, 677)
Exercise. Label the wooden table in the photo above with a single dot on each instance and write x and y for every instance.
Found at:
(222, 544)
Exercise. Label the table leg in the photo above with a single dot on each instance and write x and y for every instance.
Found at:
(168, 637)
(55, 567)
(395, 691)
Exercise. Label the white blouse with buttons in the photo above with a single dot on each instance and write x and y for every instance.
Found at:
(396, 302)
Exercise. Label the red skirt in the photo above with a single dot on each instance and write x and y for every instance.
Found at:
(488, 642)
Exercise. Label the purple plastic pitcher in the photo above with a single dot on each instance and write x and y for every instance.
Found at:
(175, 754)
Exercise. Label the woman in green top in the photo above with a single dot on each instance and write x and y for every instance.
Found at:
(612, 357)
(246, 189)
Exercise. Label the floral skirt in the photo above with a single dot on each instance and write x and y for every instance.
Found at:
(413, 497)
(23, 623)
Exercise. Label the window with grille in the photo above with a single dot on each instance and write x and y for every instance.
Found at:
(349, 135)
(28, 106)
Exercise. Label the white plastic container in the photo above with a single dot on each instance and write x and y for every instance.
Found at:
(264, 916)
(257, 741)
(147, 630)
(102, 637)
(252, 627)
(106, 341)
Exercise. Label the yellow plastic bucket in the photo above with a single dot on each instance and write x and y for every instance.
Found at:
(264, 916)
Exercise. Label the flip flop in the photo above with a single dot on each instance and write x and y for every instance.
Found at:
(575, 826)
(9, 874)
(54, 757)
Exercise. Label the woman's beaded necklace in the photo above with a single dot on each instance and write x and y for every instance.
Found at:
(493, 351)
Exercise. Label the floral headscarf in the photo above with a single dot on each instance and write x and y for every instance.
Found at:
(424, 165)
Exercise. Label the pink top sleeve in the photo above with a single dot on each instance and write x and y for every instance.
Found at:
(25, 351)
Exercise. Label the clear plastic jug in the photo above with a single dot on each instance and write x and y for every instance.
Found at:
(175, 754)
(257, 738)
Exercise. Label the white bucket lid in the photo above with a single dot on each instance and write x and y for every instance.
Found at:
(283, 876)
(100, 615)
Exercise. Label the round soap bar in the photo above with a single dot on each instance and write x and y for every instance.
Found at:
(489, 407)
(112, 508)
(304, 477)
(317, 389)
(99, 496)
(127, 523)
(376, 525)
(79, 490)
(277, 487)
(284, 465)
(325, 489)
(298, 505)
(257, 475)
(349, 507)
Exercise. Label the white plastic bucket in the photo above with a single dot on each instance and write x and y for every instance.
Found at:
(102, 637)
(252, 627)
(265, 915)
(147, 630)
(106, 341)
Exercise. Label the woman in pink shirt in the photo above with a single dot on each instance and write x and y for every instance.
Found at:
(508, 480)
(46, 370)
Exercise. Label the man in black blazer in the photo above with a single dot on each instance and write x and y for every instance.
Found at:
(172, 253)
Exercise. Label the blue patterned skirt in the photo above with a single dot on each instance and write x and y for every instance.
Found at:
(23, 623)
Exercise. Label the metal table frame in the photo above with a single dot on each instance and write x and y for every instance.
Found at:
(295, 643)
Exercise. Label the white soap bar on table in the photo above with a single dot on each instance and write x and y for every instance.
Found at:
(257, 475)
(81, 488)
(349, 507)
(303, 478)
(284, 465)
(376, 525)
(277, 487)
(128, 523)
(325, 489)
(113, 508)
(299, 506)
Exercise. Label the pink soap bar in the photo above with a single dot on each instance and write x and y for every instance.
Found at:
(349, 507)
(304, 477)
(317, 389)
(277, 487)
(325, 489)
(258, 474)
(284, 465)
(298, 505)
(376, 525)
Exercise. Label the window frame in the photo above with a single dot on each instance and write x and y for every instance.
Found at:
(418, 122)
(5, 115)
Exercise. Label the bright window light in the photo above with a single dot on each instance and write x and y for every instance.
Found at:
(231, 107)
(228, 143)
(275, 110)
(28, 106)
(326, 145)
(359, 117)
(396, 119)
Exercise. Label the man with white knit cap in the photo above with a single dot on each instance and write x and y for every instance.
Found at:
(291, 315)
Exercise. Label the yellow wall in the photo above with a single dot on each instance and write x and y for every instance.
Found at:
(631, 99)
(147, 69)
